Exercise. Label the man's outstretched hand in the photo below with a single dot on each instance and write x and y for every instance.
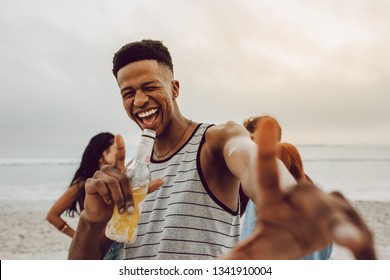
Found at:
(295, 222)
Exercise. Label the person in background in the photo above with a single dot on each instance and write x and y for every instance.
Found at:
(252, 123)
(291, 158)
(300, 219)
(100, 150)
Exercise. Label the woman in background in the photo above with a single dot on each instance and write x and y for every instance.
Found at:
(100, 150)
(291, 158)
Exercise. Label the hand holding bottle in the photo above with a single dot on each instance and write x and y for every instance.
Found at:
(109, 187)
(124, 224)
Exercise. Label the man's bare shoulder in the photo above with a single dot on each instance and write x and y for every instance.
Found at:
(219, 134)
(228, 129)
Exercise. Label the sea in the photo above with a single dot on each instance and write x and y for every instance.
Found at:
(360, 172)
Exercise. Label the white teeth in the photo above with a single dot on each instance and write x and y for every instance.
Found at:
(147, 113)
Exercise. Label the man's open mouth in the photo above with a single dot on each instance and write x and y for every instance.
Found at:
(149, 116)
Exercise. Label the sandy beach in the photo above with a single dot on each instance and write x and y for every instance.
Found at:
(26, 235)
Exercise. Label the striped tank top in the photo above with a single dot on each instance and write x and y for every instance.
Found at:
(183, 219)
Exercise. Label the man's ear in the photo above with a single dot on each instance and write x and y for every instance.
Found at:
(175, 88)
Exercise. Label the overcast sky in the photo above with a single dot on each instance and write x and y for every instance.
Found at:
(322, 68)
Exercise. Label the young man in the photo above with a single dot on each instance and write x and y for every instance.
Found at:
(192, 213)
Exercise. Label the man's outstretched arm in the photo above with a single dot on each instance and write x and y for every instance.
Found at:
(297, 221)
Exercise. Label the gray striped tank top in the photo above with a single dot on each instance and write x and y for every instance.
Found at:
(182, 219)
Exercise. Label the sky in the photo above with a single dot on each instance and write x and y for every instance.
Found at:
(321, 68)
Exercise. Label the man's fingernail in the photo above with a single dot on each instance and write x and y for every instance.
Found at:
(130, 209)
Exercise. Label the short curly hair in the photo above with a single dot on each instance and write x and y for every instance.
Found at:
(142, 50)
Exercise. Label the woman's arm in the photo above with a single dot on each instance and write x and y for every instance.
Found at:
(60, 206)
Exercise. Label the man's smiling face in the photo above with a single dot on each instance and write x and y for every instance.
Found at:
(148, 91)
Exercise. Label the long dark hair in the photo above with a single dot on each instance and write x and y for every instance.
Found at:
(88, 166)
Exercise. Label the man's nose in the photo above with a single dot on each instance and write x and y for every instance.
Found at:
(140, 99)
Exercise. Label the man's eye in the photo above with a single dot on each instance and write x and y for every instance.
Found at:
(128, 94)
(150, 88)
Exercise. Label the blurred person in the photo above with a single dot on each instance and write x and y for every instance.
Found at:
(100, 150)
(299, 218)
(251, 124)
(291, 158)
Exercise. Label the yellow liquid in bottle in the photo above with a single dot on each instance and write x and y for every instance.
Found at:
(123, 227)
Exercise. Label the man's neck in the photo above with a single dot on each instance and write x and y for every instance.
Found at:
(174, 136)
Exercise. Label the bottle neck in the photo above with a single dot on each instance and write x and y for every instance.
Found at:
(145, 148)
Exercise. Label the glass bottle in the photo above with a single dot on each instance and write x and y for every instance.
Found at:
(123, 227)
